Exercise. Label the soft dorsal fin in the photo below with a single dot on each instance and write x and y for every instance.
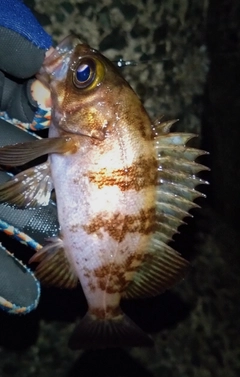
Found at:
(162, 268)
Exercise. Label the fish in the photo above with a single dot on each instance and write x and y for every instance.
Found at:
(123, 186)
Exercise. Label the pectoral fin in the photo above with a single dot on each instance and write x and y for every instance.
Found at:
(29, 189)
(21, 153)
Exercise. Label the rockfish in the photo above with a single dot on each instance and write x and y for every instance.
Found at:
(123, 185)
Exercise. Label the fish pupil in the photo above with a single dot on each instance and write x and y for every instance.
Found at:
(83, 73)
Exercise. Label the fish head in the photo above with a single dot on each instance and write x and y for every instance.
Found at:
(88, 92)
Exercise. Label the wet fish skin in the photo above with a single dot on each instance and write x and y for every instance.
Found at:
(106, 196)
(123, 186)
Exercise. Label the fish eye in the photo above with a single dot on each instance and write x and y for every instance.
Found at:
(84, 74)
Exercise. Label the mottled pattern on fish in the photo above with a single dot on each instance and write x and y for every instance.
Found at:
(123, 186)
(107, 219)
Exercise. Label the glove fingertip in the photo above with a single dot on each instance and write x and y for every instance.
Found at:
(22, 59)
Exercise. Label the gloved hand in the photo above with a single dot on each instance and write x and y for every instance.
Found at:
(23, 45)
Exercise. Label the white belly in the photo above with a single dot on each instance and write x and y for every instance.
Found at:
(98, 224)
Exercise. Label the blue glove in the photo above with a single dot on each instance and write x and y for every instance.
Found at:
(23, 44)
(23, 41)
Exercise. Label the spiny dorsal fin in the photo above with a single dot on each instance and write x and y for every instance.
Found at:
(176, 193)
(160, 127)
(177, 180)
(173, 139)
(181, 152)
(54, 268)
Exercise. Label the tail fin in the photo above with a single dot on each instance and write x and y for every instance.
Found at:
(120, 331)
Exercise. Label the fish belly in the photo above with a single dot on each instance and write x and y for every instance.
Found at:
(105, 226)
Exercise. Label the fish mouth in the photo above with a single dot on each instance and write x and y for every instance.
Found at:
(55, 68)
(56, 63)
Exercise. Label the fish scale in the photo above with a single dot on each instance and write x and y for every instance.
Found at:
(105, 218)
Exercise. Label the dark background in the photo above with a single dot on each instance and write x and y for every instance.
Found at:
(192, 73)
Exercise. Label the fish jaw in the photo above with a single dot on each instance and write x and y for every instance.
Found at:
(93, 109)
(56, 64)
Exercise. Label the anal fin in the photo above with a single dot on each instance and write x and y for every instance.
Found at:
(54, 268)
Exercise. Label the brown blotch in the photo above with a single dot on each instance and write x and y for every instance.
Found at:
(140, 174)
(92, 286)
(118, 225)
(110, 278)
(142, 122)
(114, 277)
(76, 181)
(108, 312)
(74, 228)
(86, 273)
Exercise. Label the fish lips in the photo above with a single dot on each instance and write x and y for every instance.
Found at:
(56, 64)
